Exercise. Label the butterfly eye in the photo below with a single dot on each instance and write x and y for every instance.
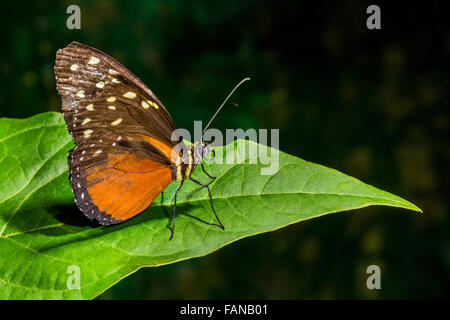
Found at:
(211, 158)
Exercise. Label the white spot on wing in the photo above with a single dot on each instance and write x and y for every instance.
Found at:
(85, 121)
(100, 84)
(111, 99)
(94, 60)
(153, 104)
(111, 108)
(90, 107)
(116, 122)
(74, 67)
(129, 95)
(87, 133)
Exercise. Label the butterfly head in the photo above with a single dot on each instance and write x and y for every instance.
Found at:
(201, 151)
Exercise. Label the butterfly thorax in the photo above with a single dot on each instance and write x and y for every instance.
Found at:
(188, 161)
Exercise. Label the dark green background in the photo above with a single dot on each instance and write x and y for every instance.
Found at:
(372, 104)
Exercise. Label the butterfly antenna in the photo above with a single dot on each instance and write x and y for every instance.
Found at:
(225, 101)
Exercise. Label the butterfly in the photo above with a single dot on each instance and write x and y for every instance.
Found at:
(126, 147)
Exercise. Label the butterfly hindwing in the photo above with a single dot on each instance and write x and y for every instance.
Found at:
(114, 186)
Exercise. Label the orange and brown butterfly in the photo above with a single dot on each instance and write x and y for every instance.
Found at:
(126, 153)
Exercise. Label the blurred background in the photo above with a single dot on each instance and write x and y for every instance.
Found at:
(370, 103)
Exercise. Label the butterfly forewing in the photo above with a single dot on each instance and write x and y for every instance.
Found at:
(99, 93)
(122, 159)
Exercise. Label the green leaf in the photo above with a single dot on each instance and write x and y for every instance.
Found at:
(42, 233)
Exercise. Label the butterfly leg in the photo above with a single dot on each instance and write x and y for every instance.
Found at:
(210, 199)
(175, 209)
(210, 176)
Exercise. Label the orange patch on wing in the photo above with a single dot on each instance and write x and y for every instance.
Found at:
(127, 185)
(132, 164)
(165, 149)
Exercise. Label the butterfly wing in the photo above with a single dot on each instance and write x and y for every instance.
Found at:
(123, 154)
(97, 90)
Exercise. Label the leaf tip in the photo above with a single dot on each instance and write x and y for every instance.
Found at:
(413, 207)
